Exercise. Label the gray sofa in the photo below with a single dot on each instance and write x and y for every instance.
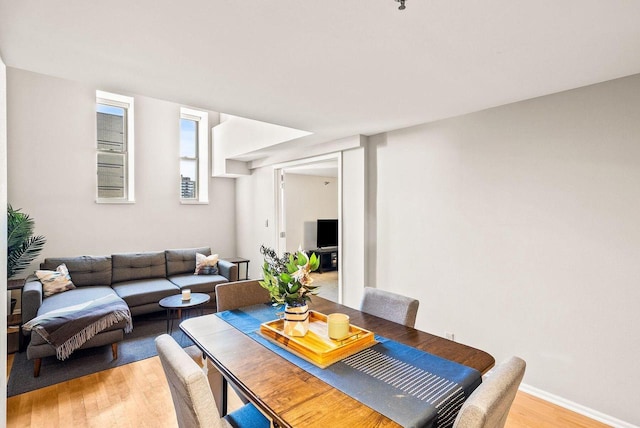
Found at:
(140, 279)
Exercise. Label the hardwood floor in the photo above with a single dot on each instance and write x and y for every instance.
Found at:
(133, 395)
(528, 411)
(137, 395)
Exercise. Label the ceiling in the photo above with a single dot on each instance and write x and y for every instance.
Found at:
(332, 67)
(322, 169)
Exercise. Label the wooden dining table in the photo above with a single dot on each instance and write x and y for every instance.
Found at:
(291, 396)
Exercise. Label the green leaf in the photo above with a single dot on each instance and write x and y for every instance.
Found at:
(302, 259)
(314, 262)
(285, 277)
(22, 246)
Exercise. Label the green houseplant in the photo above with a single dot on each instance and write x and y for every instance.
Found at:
(288, 278)
(289, 283)
(22, 246)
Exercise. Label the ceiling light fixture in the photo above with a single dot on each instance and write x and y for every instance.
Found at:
(402, 7)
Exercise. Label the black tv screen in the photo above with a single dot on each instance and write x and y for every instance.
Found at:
(327, 233)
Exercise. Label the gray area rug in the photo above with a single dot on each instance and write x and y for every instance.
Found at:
(137, 345)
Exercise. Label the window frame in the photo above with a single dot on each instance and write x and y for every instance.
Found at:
(125, 102)
(202, 155)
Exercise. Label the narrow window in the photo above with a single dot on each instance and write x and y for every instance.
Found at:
(194, 156)
(114, 148)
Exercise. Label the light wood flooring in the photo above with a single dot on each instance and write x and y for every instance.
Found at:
(137, 395)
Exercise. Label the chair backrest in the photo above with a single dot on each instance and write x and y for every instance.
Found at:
(234, 295)
(190, 390)
(390, 306)
(488, 406)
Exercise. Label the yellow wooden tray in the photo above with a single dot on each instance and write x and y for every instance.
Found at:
(316, 346)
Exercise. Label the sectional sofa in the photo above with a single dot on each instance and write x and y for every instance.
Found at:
(140, 279)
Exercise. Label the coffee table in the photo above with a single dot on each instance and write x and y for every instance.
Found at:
(175, 304)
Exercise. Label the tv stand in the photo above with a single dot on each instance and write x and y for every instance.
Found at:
(328, 258)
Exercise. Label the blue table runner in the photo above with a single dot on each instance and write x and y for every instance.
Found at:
(407, 385)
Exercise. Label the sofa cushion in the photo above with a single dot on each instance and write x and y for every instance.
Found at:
(55, 281)
(198, 283)
(144, 291)
(85, 270)
(70, 298)
(183, 260)
(132, 266)
(113, 334)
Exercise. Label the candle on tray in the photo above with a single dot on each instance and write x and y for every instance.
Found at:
(186, 294)
(338, 326)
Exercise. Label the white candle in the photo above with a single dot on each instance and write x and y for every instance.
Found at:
(186, 294)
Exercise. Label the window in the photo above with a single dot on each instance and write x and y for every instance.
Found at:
(194, 156)
(114, 148)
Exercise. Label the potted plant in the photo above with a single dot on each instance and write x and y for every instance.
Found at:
(22, 246)
(288, 280)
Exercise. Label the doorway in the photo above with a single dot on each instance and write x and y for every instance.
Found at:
(309, 190)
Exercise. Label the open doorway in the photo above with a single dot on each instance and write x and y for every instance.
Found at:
(309, 211)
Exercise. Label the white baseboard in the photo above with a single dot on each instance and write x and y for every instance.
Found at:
(575, 407)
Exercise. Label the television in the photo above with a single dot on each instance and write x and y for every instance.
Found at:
(327, 233)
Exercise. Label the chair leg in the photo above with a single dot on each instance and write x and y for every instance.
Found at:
(114, 350)
(36, 367)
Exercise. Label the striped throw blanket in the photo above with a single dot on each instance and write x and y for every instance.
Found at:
(67, 329)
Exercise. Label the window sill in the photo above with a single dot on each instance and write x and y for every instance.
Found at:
(193, 202)
(114, 201)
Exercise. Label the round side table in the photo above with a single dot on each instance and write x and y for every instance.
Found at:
(175, 304)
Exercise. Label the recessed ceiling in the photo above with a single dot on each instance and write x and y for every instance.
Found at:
(321, 169)
(332, 67)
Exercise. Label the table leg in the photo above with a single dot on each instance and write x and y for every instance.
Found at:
(246, 270)
(224, 396)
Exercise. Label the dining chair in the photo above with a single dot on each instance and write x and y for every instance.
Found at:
(390, 306)
(488, 406)
(229, 296)
(234, 295)
(192, 396)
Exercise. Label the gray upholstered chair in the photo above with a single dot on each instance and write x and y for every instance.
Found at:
(488, 406)
(390, 306)
(234, 295)
(191, 393)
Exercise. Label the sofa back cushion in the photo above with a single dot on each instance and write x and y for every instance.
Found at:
(84, 270)
(132, 266)
(183, 260)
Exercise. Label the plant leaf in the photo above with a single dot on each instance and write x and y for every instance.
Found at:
(302, 259)
(314, 262)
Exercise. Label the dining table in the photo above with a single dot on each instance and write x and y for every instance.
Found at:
(294, 393)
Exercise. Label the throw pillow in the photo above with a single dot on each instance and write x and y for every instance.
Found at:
(209, 270)
(203, 262)
(55, 281)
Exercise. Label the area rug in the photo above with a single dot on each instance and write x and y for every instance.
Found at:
(137, 345)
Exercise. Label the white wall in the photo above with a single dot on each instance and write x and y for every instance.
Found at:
(517, 228)
(256, 216)
(308, 199)
(353, 248)
(52, 175)
(3, 236)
